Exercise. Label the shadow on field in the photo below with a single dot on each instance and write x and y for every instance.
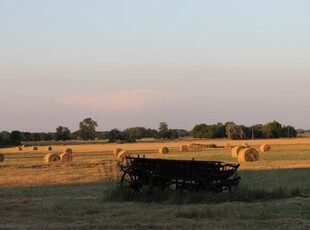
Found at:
(254, 186)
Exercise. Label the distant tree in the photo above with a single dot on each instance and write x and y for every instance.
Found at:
(272, 129)
(256, 131)
(15, 137)
(135, 132)
(25, 136)
(232, 130)
(165, 133)
(200, 131)
(35, 137)
(6, 138)
(114, 135)
(62, 133)
(87, 129)
(289, 131)
(74, 135)
(182, 132)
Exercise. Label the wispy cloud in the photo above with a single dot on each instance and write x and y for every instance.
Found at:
(119, 101)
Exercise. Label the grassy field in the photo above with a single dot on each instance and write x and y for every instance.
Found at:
(274, 192)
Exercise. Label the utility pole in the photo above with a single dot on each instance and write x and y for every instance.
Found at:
(288, 131)
(252, 134)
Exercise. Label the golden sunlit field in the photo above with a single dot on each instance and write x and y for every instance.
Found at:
(274, 193)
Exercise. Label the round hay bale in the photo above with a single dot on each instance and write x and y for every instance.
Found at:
(51, 157)
(265, 148)
(164, 150)
(1, 157)
(68, 150)
(66, 157)
(183, 148)
(235, 151)
(122, 158)
(117, 151)
(49, 148)
(248, 155)
(19, 148)
(227, 146)
(34, 148)
(123, 154)
(246, 145)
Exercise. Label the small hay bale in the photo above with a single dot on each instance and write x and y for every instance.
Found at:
(246, 145)
(1, 157)
(248, 155)
(235, 151)
(265, 148)
(34, 148)
(51, 157)
(49, 148)
(19, 148)
(66, 157)
(164, 150)
(68, 150)
(227, 146)
(117, 151)
(183, 148)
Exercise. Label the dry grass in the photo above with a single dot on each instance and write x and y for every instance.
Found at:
(294, 153)
(71, 196)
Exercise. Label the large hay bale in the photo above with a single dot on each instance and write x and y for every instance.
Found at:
(235, 151)
(49, 148)
(248, 155)
(183, 148)
(123, 154)
(68, 150)
(265, 148)
(66, 157)
(163, 150)
(1, 157)
(117, 151)
(51, 157)
(34, 148)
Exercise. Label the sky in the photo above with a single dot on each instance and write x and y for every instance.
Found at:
(141, 62)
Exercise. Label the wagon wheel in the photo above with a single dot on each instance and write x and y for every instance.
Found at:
(136, 181)
(132, 182)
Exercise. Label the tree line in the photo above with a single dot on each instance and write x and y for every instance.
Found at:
(87, 131)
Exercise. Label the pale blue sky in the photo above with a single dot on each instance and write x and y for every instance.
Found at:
(137, 63)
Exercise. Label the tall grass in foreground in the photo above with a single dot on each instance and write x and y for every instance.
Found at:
(242, 194)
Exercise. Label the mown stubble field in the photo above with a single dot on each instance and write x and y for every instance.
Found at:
(274, 192)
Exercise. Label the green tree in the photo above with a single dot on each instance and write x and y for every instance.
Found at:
(62, 133)
(232, 130)
(200, 131)
(272, 129)
(165, 133)
(87, 129)
(289, 131)
(15, 137)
